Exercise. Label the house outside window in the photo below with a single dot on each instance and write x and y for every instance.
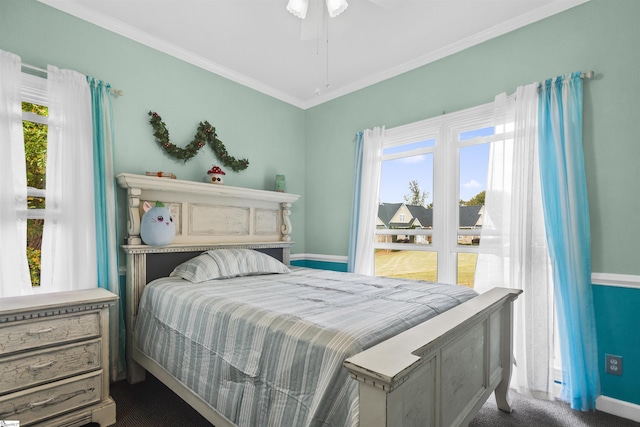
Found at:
(433, 177)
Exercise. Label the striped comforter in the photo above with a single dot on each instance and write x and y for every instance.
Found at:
(268, 350)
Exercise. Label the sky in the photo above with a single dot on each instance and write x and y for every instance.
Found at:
(397, 174)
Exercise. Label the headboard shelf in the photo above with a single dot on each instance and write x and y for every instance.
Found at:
(207, 213)
(154, 183)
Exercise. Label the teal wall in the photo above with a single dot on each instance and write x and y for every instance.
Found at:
(321, 265)
(252, 125)
(314, 148)
(617, 320)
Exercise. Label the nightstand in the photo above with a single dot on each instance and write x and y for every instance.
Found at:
(54, 359)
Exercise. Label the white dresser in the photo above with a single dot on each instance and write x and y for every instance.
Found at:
(54, 359)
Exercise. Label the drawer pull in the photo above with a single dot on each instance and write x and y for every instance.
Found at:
(42, 365)
(41, 331)
(38, 404)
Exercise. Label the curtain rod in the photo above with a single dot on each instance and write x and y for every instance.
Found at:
(114, 92)
(587, 75)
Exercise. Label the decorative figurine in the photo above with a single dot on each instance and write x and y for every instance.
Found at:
(280, 184)
(215, 175)
(156, 226)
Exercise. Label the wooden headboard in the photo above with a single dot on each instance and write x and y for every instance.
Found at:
(207, 216)
(207, 213)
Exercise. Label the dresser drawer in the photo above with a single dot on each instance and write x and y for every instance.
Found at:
(29, 369)
(29, 406)
(31, 334)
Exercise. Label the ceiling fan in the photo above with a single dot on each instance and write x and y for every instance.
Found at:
(299, 7)
(315, 26)
(318, 26)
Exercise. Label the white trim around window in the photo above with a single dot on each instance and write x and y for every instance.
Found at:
(445, 130)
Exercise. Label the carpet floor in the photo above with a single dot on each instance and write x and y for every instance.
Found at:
(152, 404)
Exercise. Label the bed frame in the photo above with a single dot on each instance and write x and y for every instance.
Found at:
(438, 373)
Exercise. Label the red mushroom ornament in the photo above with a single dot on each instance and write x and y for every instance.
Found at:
(215, 175)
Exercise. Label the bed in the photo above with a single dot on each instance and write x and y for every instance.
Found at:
(388, 369)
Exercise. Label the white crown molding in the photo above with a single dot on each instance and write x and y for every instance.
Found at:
(619, 408)
(619, 280)
(77, 9)
(80, 11)
(489, 33)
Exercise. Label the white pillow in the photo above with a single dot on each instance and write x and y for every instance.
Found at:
(226, 263)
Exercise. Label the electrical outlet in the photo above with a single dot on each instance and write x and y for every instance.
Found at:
(613, 364)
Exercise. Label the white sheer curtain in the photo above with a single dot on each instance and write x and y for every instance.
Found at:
(69, 237)
(367, 187)
(513, 248)
(14, 268)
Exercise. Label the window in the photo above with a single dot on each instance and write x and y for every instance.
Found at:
(34, 124)
(432, 186)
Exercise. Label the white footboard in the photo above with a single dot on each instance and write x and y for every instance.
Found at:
(440, 372)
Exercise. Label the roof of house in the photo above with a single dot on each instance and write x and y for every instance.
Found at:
(422, 214)
(386, 211)
(469, 216)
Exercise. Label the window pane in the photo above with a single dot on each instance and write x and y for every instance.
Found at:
(35, 147)
(34, 243)
(417, 265)
(406, 192)
(467, 269)
(464, 136)
(474, 163)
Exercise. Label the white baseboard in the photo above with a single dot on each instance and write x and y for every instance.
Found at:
(320, 257)
(619, 408)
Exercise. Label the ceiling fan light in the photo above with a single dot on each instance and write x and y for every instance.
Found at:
(298, 7)
(336, 7)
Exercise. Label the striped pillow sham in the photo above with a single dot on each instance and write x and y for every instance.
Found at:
(225, 263)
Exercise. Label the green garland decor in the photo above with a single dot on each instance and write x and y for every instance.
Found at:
(204, 134)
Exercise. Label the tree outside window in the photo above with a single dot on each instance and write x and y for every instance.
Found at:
(35, 146)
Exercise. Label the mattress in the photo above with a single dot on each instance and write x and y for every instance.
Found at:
(268, 350)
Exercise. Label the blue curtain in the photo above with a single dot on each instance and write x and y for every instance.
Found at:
(355, 209)
(566, 214)
(105, 206)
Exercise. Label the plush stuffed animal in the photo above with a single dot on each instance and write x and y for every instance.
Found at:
(156, 226)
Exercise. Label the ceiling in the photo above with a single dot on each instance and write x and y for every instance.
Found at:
(259, 44)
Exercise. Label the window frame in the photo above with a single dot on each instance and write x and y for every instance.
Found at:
(34, 90)
(445, 129)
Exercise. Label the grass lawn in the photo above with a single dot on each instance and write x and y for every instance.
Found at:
(421, 265)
